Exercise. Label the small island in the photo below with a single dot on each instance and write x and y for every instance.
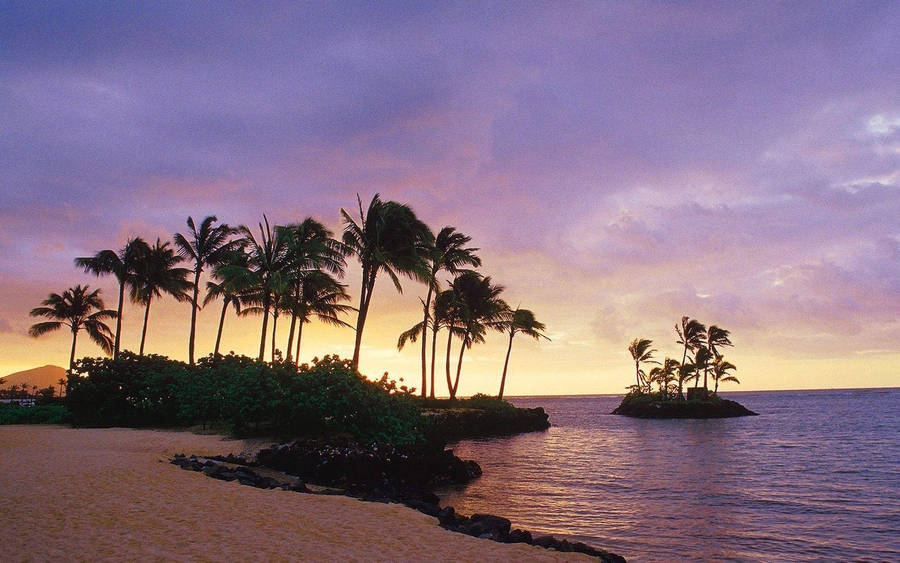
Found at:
(701, 357)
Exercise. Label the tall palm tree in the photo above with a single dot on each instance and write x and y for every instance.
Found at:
(77, 308)
(311, 249)
(62, 385)
(690, 335)
(228, 288)
(641, 353)
(716, 338)
(720, 372)
(204, 247)
(156, 274)
(122, 265)
(388, 238)
(447, 252)
(476, 307)
(321, 296)
(523, 321)
(265, 273)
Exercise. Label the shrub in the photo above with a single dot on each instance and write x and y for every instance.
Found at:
(247, 395)
(41, 414)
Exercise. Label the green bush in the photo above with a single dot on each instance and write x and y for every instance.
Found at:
(479, 401)
(247, 395)
(40, 414)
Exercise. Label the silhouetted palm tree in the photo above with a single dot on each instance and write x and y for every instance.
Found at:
(439, 319)
(720, 369)
(641, 353)
(476, 307)
(156, 274)
(207, 246)
(716, 338)
(702, 358)
(227, 288)
(446, 252)
(684, 372)
(62, 384)
(518, 321)
(264, 275)
(664, 375)
(77, 308)
(311, 249)
(321, 296)
(123, 266)
(690, 335)
(388, 238)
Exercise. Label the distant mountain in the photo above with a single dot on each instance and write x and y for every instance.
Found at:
(43, 377)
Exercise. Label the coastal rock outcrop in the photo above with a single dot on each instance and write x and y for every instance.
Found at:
(720, 408)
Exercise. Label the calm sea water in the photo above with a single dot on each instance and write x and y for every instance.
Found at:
(815, 477)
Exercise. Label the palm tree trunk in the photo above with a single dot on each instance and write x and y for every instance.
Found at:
(119, 319)
(221, 324)
(299, 336)
(433, 351)
(425, 337)
(144, 330)
(274, 329)
(505, 364)
(265, 324)
(290, 339)
(72, 355)
(449, 381)
(637, 374)
(459, 364)
(365, 296)
(705, 371)
(191, 340)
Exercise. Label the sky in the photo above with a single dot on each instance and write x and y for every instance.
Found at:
(618, 164)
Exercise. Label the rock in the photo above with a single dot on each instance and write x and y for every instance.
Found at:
(519, 536)
(424, 507)
(713, 408)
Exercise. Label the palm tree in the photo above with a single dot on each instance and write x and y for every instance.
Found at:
(207, 246)
(476, 308)
(664, 375)
(77, 308)
(447, 252)
(227, 288)
(519, 320)
(311, 249)
(265, 274)
(716, 338)
(641, 352)
(684, 372)
(720, 370)
(701, 363)
(122, 265)
(156, 274)
(690, 335)
(62, 385)
(389, 238)
(321, 297)
(440, 318)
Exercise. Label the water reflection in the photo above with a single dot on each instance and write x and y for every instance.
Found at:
(796, 482)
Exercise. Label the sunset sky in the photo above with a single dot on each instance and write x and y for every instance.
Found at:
(618, 164)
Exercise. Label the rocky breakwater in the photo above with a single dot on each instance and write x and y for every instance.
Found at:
(454, 424)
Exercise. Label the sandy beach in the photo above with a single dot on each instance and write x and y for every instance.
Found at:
(87, 494)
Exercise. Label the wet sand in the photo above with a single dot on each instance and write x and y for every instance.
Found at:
(88, 494)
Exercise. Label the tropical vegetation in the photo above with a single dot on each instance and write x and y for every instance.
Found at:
(295, 272)
(701, 355)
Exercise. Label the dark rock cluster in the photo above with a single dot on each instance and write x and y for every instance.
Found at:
(378, 473)
(721, 408)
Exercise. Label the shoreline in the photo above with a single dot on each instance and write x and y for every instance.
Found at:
(112, 494)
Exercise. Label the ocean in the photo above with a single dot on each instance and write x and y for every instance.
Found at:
(815, 477)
